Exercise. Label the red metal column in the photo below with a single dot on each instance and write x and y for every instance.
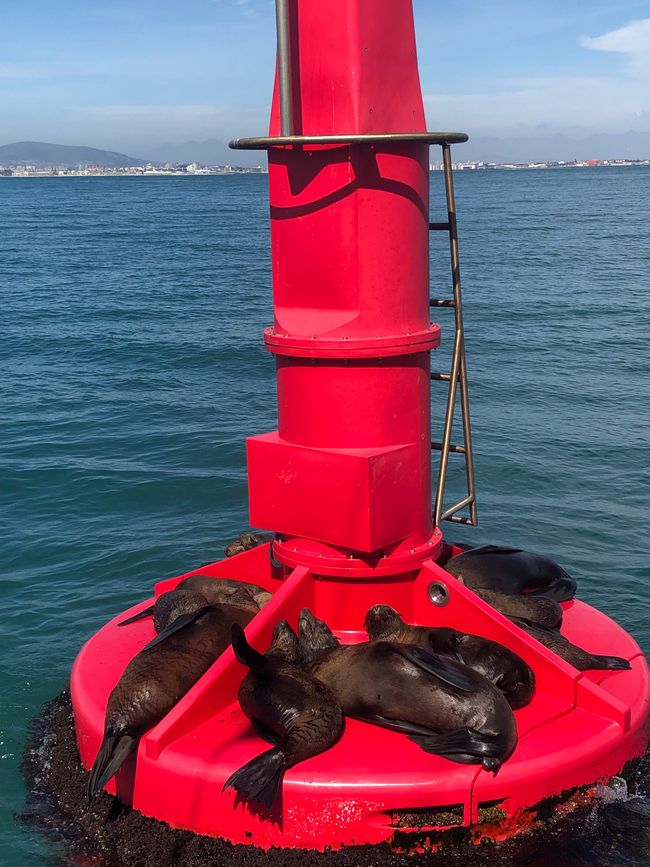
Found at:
(346, 478)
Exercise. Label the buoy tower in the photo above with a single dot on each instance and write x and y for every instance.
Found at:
(345, 484)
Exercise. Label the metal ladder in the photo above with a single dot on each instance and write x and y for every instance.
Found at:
(457, 376)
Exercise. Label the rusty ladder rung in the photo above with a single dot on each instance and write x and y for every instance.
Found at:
(439, 227)
(453, 447)
(437, 376)
(442, 302)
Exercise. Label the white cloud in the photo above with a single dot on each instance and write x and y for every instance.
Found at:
(607, 102)
(634, 38)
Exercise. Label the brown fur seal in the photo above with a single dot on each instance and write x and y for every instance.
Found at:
(154, 681)
(443, 706)
(289, 708)
(569, 652)
(511, 570)
(246, 541)
(507, 671)
(537, 609)
(199, 591)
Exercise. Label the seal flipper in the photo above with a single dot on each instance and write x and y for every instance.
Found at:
(259, 779)
(610, 663)
(245, 652)
(435, 665)
(561, 590)
(176, 625)
(146, 612)
(492, 549)
(395, 725)
(533, 624)
(112, 752)
(466, 746)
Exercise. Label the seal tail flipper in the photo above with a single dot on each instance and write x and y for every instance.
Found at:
(561, 590)
(147, 612)
(436, 665)
(612, 663)
(245, 653)
(113, 749)
(176, 625)
(259, 779)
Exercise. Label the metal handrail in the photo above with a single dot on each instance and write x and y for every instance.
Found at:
(271, 141)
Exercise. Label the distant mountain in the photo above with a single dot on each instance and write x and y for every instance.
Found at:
(211, 152)
(553, 148)
(38, 153)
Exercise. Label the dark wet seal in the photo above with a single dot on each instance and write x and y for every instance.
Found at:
(155, 680)
(107, 834)
(289, 708)
(503, 668)
(197, 591)
(537, 609)
(512, 570)
(442, 705)
(569, 652)
(246, 541)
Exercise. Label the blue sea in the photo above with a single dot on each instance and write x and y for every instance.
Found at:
(132, 367)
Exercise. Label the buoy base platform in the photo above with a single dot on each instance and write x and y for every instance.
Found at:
(374, 786)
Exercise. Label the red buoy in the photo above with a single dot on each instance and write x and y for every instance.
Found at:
(345, 482)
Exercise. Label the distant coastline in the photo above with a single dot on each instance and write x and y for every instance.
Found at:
(195, 170)
(127, 171)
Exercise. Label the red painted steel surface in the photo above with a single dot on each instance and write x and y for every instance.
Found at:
(350, 462)
(346, 480)
(580, 728)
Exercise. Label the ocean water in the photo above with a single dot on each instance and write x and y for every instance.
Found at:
(132, 368)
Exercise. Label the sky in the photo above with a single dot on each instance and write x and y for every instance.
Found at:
(132, 75)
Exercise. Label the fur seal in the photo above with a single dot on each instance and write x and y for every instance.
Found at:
(511, 570)
(292, 710)
(538, 609)
(443, 706)
(570, 652)
(199, 591)
(155, 680)
(246, 541)
(503, 668)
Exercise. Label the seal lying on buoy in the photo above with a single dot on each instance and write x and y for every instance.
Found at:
(155, 680)
(537, 609)
(569, 652)
(503, 668)
(443, 706)
(245, 541)
(292, 710)
(511, 570)
(199, 591)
